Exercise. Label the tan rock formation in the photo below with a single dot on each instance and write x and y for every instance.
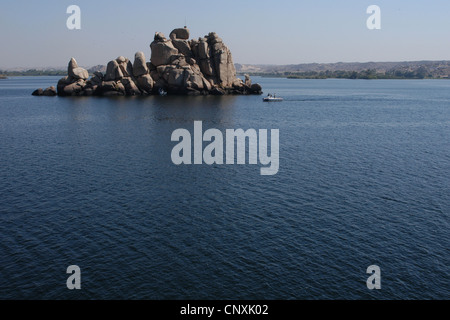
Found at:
(177, 65)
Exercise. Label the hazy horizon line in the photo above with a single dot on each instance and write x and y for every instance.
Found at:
(239, 63)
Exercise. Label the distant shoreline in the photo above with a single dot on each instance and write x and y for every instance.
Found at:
(344, 75)
(339, 70)
(349, 70)
(268, 75)
(418, 72)
(293, 77)
(33, 72)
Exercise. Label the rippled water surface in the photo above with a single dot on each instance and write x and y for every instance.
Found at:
(364, 179)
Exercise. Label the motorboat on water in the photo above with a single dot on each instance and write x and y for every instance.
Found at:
(272, 98)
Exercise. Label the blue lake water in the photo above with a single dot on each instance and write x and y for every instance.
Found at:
(364, 180)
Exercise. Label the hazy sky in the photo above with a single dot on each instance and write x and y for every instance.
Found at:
(34, 33)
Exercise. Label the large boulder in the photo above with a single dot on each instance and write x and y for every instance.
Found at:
(194, 81)
(176, 77)
(113, 71)
(217, 91)
(203, 49)
(131, 89)
(76, 72)
(62, 83)
(72, 65)
(256, 89)
(213, 38)
(155, 75)
(145, 83)
(159, 36)
(180, 33)
(80, 73)
(204, 57)
(183, 47)
(140, 66)
(222, 61)
(97, 78)
(125, 66)
(194, 47)
(162, 52)
(38, 92)
(75, 89)
(206, 84)
(207, 67)
(107, 86)
(69, 85)
(50, 92)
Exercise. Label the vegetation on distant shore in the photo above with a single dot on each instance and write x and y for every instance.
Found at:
(353, 70)
(46, 72)
(34, 72)
(368, 74)
(401, 73)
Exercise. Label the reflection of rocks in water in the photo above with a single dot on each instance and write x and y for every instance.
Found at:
(177, 109)
(177, 66)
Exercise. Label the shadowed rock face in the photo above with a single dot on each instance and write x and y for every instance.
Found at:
(177, 66)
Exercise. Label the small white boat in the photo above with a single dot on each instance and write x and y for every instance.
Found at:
(271, 98)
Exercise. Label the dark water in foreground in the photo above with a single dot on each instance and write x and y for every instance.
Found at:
(364, 179)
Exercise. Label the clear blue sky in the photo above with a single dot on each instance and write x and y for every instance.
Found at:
(34, 33)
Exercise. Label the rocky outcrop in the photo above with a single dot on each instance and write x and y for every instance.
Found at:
(49, 92)
(38, 92)
(203, 66)
(75, 82)
(177, 66)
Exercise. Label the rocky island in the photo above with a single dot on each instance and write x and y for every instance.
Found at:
(177, 66)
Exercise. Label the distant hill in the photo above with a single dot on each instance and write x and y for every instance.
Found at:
(350, 70)
(97, 68)
(387, 70)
